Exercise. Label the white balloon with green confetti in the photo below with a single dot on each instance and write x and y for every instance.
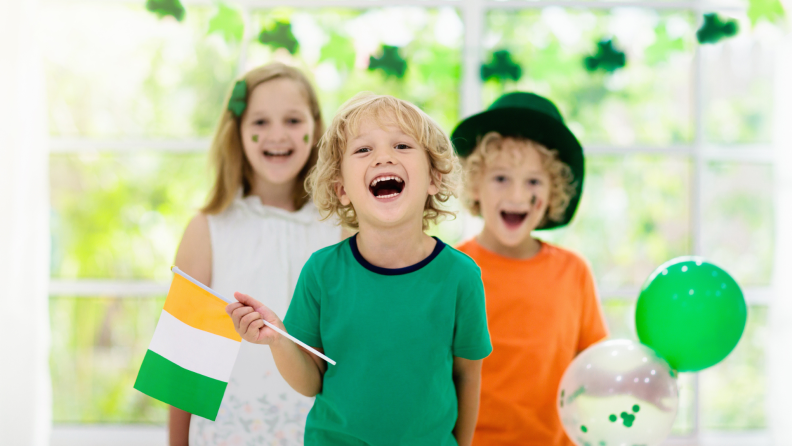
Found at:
(618, 393)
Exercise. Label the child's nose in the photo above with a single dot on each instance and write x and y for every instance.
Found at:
(276, 132)
(383, 156)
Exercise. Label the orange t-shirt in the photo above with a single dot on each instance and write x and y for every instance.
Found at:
(541, 312)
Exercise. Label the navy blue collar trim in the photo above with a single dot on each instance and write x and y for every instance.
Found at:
(394, 271)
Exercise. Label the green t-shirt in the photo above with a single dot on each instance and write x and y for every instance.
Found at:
(394, 334)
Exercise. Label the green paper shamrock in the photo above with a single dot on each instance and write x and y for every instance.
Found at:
(280, 37)
(238, 101)
(714, 29)
(391, 63)
(770, 10)
(228, 23)
(502, 67)
(608, 58)
(166, 8)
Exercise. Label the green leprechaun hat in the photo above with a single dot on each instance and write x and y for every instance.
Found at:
(529, 116)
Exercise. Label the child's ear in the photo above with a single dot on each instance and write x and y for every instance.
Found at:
(341, 192)
(435, 179)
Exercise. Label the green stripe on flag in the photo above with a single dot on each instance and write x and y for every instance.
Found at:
(179, 387)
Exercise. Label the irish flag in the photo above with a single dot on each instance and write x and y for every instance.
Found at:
(194, 348)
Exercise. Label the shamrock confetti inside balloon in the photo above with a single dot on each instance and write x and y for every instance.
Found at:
(618, 393)
(502, 67)
(690, 312)
(164, 8)
(715, 29)
(391, 63)
(280, 37)
(607, 58)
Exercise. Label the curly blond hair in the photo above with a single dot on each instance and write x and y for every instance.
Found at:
(444, 167)
(232, 168)
(562, 184)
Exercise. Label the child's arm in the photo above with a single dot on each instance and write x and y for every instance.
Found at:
(299, 368)
(467, 380)
(194, 257)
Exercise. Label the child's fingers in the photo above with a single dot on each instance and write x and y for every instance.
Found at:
(231, 307)
(247, 300)
(248, 319)
(253, 332)
(239, 313)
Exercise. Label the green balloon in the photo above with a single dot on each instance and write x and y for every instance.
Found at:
(691, 312)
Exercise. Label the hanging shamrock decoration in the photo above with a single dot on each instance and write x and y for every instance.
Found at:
(715, 29)
(769, 10)
(166, 8)
(280, 37)
(502, 67)
(227, 22)
(608, 58)
(391, 63)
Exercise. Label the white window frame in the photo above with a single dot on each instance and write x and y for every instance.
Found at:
(473, 14)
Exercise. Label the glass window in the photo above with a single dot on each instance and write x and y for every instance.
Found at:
(648, 102)
(98, 344)
(738, 85)
(738, 220)
(633, 216)
(121, 215)
(124, 72)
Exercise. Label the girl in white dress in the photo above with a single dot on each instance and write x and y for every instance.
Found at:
(255, 233)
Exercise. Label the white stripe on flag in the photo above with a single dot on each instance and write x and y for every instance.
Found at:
(199, 351)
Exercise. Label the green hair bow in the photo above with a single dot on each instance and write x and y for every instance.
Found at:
(238, 101)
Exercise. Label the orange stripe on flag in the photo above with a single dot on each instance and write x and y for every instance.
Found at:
(198, 308)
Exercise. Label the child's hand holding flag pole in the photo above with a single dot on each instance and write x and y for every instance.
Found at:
(194, 348)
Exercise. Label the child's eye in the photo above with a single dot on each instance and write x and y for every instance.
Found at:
(363, 150)
(534, 182)
(402, 146)
(294, 121)
(260, 122)
(500, 179)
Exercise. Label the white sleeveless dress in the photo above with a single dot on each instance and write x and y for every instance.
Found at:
(259, 250)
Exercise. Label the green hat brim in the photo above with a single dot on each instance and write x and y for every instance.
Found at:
(533, 125)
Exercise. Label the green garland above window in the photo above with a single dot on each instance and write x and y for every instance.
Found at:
(280, 37)
(164, 8)
(502, 67)
(715, 29)
(607, 58)
(391, 62)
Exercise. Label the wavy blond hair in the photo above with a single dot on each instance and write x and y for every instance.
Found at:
(562, 185)
(233, 170)
(444, 167)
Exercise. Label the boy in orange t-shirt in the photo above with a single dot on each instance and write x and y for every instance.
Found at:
(525, 172)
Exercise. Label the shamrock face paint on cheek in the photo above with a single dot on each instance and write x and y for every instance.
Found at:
(533, 200)
(254, 138)
(305, 138)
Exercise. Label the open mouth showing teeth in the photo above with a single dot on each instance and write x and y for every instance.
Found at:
(513, 218)
(278, 152)
(386, 187)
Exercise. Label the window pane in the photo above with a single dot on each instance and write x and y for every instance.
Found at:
(98, 345)
(634, 215)
(335, 45)
(733, 392)
(121, 216)
(738, 220)
(646, 102)
(124, 72)
(738, 85)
